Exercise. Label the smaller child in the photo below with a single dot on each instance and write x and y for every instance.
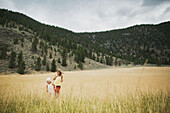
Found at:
(49, 86)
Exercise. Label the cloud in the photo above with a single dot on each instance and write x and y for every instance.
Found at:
(92, 15)
(153, 2)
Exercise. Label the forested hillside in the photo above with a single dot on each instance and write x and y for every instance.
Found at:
(28, 44)
(135, 44)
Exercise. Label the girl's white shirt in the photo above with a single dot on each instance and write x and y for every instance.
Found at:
(50, 88)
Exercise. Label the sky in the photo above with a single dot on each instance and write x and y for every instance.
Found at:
(92, 15)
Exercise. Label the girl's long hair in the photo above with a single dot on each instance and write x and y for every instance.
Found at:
(60, 73)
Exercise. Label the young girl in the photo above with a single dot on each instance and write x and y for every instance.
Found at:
(58, 78)
(49, 86)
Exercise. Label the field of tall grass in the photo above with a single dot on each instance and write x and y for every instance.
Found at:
(106, 91)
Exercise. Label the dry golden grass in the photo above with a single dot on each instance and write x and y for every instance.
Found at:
(108, 90)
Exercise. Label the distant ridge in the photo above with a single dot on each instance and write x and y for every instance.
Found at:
(131, 45)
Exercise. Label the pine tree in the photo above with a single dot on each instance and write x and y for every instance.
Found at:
(21, 67)
(22, 45)
(64, 62)
(97, 59)
(16, 41)
(59, 60)
(75, 67)
(12, 60)
(159, 63)
(110, 60)
(50, 55)
(90, 54)
(80, 54)
(55, 50)
(46, 49)
(119, 63)
(64, 55)
(21, 64)
(38, 64)
(42, 52)
(20, 58)
(93, 57)
(101, 60)
(44, 60)
(116, 62)
(3, 52)
(80, 65)
(53, 66)
(47, 67)
(41, 44)
(34, 45)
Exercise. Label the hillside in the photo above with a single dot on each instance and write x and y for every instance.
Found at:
(40, 44)
(135, 44)
(8, 37)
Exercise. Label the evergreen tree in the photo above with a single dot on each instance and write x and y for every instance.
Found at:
(101, 60)
(80, 54)
(50, 55)
(53, 66)
(64, 55)
(22, 45)
(21, 64)
(97, 59)
(59, 60)
(80, 65)
(16, 41)
(34, 45)
(3, 52)
(107, 60)
(110, 60)
(38, 64)
(42, 52)
(159, 63)
(116, 62)
(119, 63)
(47, 67)
(126, 62)
(44, 60)
(12, 60)
(21, 67)
(41, 44)
(64, 62)
(55, 50)
(20, 58)
(46, 49)
(75, 67)
(90, 54)
(93, 57)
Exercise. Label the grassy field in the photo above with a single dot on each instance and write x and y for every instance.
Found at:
(119, 90)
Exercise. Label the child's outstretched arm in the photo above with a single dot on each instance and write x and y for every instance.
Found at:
(55, 77)
(61, 78)
(53, 84)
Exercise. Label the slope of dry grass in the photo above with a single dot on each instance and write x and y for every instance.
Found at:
(108, 90)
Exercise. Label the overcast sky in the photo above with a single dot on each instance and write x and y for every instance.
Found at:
(92, 15)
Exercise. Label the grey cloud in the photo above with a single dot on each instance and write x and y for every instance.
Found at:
(153, 2)
(91, 15)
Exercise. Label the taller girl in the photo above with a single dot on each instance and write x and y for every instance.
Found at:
(58, 78)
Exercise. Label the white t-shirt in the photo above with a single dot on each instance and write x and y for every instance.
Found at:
(50, 88)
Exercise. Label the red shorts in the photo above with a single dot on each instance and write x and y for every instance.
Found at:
(57, 89)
